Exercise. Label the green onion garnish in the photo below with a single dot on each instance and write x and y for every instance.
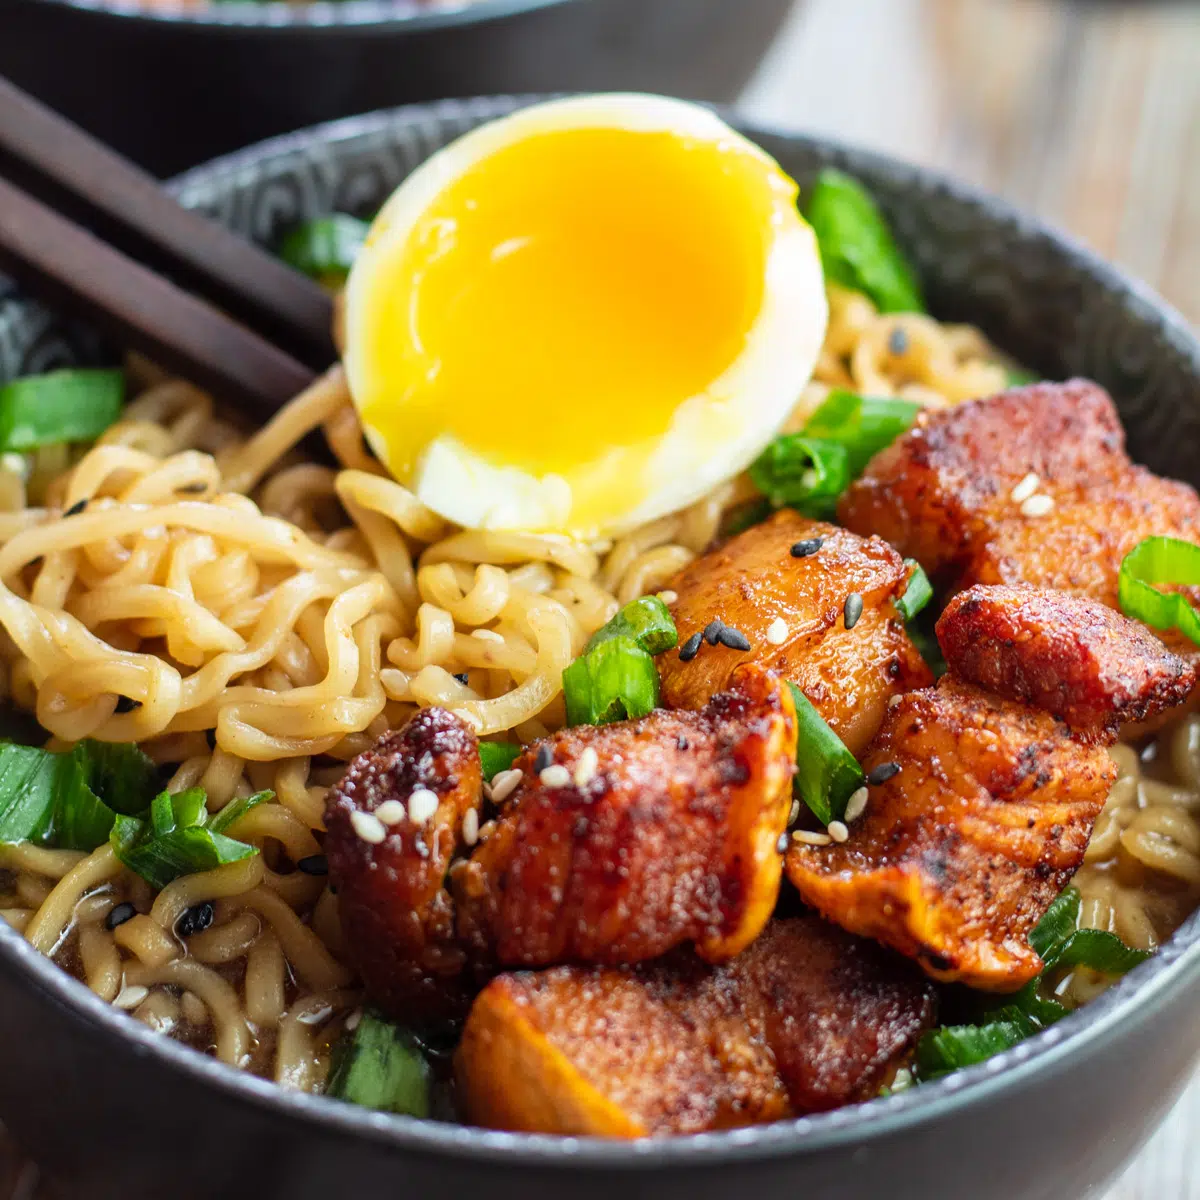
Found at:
(917, 594)
(495, 757)
(1020, 377)
(70, 800)
(380, 1065)
(804, 473)
(614, 681)
(1059, 944)
(827, 774)
(857, 247)
(75, 405)
(325, 249)
(176, 837)
(615, 677)
(864, 425)
(1160, 560)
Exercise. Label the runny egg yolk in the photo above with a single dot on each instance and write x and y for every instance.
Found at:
(561, 298)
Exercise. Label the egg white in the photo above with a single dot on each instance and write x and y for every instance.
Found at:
(713, 435)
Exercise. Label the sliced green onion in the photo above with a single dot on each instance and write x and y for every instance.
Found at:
(1057, 924)
(75, 405)
(1160, 560)
(1020, 377)
(800, 472)
(917, 594)
(325, 249)
(235, 810)
(864, 425)
(380, 1066)
(646, 621)
(497, 756)
(1098, 950)
(827, 774)
(70, 800)
(953, 1047)
(615, 680)
(857, 247)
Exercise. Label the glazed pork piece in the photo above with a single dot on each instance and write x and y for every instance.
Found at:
(1032, 486)
(806, 1019)
(791, 609)
(961, 851)
(1079, 660)
(612, 844)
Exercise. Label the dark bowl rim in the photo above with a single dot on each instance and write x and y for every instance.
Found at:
(313, 16)
(1137, 997)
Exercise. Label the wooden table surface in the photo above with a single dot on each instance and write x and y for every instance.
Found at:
(1084, 112)
(1087, 113)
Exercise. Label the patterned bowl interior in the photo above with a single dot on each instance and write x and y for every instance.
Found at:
(1043, 299)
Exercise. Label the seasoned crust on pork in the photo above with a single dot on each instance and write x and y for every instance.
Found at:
(943, 493)
(806, 1019)
(754, 581)
(673, 839)
(670, 835)
(959, 855)
(398, 919)
(1074, 657)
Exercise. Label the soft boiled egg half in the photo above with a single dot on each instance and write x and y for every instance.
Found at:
(582, 316)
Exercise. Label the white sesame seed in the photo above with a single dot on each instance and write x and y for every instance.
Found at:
(422, 804)
(353, 1019)
(586, 767)
(131, 996)
(895, 700)
(486, 830)
(777, 632)
(504, 783)
(391, 812)
(1025, 488)
(668, 597)
(486, 635)
(368, 827)
(794, 815)
(807, 837)
(856, 805)
(555, 776)
(316, 1016)
(1037, 506)
(837, 831)
(471, 827)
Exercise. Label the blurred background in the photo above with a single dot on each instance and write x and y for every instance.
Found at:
(1084, 112)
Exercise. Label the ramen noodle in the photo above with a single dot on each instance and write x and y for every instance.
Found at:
(255, 619)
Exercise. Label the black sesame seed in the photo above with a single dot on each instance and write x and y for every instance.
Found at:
(76, 508)
(126, 704)
(314, 864)
(543, 760)
(192, 489)
(735, 639)
(898, 342)
(808, 546)
(196, 920)
(882, 773)
(852, 609)
(681, 742)
(118, 915)
(712, 631)
(690, 648)
(461, 676)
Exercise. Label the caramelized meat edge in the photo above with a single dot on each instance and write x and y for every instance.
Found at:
(1076, 658)
(806, 1019)
(755, 585)
(617, 844)
(1032, 486)
(960, 853)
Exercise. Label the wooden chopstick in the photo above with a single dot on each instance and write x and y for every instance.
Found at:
(59, 163)
(56, 259)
